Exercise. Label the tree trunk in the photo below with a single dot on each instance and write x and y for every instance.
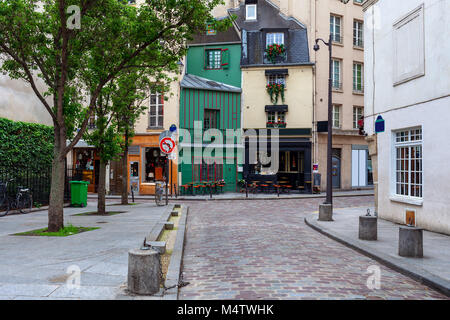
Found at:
(125, 172)
(101, 206)
(56, 205)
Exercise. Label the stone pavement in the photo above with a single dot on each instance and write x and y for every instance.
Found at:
(264, 250)
(36, 267)
(435, 264)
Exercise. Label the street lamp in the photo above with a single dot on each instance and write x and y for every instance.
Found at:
(326, 209)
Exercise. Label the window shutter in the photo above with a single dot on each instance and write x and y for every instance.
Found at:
(225, 58)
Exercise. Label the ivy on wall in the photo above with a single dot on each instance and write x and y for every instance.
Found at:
(25, 145)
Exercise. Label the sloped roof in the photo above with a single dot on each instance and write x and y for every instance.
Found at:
(195, 82)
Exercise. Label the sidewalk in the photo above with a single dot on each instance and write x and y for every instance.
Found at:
(251, 196)
(37, 267)
(433, 269)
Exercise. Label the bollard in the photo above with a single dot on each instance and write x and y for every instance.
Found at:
(144, 271)
(368, 228)
(326, 212)
(410, 242)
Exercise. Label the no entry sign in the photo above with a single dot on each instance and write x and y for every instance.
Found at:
(167, 145)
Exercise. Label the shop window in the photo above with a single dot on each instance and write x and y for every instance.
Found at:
(155, 165)
(291, 162)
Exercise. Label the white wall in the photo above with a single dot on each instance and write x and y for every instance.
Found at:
(423, 101)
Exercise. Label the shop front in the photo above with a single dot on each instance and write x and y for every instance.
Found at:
(293, 172)
(85, 166)
(148, 165)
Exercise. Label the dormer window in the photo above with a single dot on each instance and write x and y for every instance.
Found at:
(275, 38)
(251, 12)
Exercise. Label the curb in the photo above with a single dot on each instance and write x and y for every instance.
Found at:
(176, 260)
(368, 194)
(405, 268)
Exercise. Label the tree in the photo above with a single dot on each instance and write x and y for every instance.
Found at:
(76, 47)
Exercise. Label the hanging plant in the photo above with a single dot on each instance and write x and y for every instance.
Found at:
(275, 90)
(274, 51)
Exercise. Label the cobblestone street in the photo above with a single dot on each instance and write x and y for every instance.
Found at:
(264, 250)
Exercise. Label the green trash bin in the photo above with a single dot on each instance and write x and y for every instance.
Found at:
(78, 193)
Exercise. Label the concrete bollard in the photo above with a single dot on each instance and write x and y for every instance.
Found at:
(144, 271)
(410, 242)
(326, 212)
(368, 228)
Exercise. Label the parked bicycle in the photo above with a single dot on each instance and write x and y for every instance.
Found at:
(159, 193)
(23, 200)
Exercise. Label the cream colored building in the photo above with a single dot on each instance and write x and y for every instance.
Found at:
(351, 160)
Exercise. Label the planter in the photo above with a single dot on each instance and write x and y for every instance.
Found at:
(282, 125)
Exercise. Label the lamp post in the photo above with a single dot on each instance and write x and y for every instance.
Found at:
(326, 209)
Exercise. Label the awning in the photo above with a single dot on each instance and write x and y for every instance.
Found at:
(277, 108)
(277, 71)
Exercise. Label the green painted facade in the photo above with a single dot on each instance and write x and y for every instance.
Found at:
(231, 75)
(224, 105)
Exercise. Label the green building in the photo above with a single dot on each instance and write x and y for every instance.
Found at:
(211, 99)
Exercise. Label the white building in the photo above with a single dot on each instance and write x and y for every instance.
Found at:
(407, 81)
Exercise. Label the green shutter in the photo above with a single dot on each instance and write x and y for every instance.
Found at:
(225, 58)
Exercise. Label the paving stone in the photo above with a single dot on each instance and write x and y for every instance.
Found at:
(263, 250)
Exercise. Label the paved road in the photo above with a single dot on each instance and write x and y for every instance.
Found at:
(264, 250)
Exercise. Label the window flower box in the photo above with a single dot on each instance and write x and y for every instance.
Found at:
(270, 124)
(281, 124)
(276, 53)
(275, 90)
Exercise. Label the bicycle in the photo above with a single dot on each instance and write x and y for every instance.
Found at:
(23, 200)
(159, 193)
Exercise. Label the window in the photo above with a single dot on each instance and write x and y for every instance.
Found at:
(277, 79)
(409, 47)
(335, 28)
(336, 116)
(213, 59)
(92, 122)
(336, 75)
(211, 119)
(156, 110)
(276, 118)
(358, 113)
(291, 161)
(358, 31)
(208, 172)
(408, 156)
(251, 11)
(155, 165)
(358, 78)
(274, 38)
(358, 1)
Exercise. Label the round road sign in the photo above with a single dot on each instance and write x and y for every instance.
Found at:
(167, 145)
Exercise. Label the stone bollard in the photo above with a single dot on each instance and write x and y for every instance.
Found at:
(144, 271)
(410, 242)
(368, 228)
(326, 212)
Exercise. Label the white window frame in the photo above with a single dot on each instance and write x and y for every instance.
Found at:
(355, 82)
(157, 114)
(333, 24)
(277, 79)
(247, 12)
(357, 115)
(405, 141)
(336, 111)
(333, 74)
(274, 38)
(358, 33)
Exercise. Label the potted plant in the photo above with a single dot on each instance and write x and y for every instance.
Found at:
(275, 52)
(270, 124)
(281, 124)
(275, 90)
